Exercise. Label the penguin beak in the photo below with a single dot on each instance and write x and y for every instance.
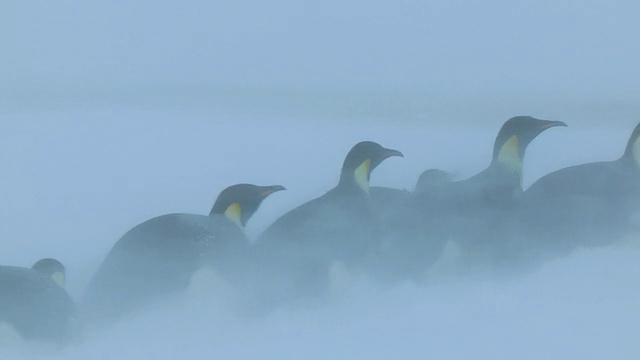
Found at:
(391, 152)
(268, 190)
(546, 124)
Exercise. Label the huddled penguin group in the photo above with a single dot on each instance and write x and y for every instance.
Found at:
(391, 235)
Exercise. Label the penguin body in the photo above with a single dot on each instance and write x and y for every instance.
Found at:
(387, 200)
(36, 306)
(583, 205)
(473, 213)
(298, 249)
(156, 259)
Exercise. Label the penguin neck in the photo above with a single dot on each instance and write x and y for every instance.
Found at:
(356, 180)
(233, 214)
(631, 155)
(59, 278)
(507, 161)
(508, 156)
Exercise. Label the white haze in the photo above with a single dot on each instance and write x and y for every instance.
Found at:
(112, 113)
(72, 187)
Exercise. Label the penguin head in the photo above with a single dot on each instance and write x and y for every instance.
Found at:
(514, 137)
(432, 178)
(51, 268)
(632, 151)
(360, 162)
(239, 202)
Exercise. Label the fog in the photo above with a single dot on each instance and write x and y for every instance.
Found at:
(73, 187)
(103, 51)
(113, 113)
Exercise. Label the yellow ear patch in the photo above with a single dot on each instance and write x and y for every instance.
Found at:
(361, 175)
(234, 213)
(508, 154)
(59, 278)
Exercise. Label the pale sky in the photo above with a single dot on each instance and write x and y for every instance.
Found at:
(568, 49)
